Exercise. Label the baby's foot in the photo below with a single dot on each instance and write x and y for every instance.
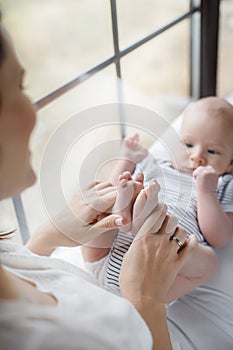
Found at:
(132, 150)
(128, 191)
(145, 203)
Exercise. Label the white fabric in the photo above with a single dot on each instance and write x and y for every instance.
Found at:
(86, 316)
(178, 191)
(203, 319)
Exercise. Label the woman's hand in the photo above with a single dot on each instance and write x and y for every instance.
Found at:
(84, 219)
(152, 263)
(154, 259)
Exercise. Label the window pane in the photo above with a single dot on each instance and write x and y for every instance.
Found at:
(58, 40)
(225, 57)
(101, 89)
(159, 71)
(138, 18)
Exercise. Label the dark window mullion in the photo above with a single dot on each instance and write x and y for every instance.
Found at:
(194, 53)
(209, 46)
(114, 59)
(117, 56)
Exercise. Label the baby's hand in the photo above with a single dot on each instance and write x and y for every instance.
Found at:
(133, 150)
(207, 179)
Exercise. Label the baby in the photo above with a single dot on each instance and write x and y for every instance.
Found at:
(205, 155)
(196, 185)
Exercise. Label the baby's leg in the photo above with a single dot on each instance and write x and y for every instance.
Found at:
(198, 269)
(127, 192)
(132, 152)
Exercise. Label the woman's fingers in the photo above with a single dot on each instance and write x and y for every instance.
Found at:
(154, 222)
(104, 191)
(178, 238)
(101, 185)
(144, 204)
(107, 223)
(152, 263)
(99, 198)
(93, 184)
(191, 244)
(97, 191)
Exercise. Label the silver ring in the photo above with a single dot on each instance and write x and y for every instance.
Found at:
(178, 241)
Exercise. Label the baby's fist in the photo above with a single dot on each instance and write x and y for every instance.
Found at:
(207, 178)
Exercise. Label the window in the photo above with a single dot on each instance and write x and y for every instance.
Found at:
(84, 44)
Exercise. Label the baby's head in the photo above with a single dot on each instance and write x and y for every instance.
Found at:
(207, 135)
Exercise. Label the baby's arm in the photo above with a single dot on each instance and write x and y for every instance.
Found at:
(216, 225)
(132, 152)
(198, 269)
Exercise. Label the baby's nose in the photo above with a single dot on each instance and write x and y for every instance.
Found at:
(197, 157)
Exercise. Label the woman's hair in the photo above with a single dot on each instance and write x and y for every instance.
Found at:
(2, 49)
(1, 42)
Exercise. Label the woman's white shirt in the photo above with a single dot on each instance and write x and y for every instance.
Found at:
(86, 316)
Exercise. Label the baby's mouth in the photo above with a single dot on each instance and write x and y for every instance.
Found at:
(194, 168)
(187, 170)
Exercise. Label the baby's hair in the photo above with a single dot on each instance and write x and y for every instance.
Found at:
(212, 104)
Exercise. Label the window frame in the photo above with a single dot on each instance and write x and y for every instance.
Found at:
(204, 32)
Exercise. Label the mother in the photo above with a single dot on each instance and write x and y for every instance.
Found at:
(49, 304)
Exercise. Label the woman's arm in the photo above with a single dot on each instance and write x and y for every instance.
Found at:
(80, 222)
(149, 269)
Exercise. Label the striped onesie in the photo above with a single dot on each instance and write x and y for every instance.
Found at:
(179, 193)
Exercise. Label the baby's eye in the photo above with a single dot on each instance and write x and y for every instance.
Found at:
(189, 145)
(212, 151)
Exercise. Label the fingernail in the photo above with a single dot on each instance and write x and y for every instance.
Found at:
(119, 221)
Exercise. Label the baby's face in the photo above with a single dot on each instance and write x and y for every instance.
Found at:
(205, 140)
